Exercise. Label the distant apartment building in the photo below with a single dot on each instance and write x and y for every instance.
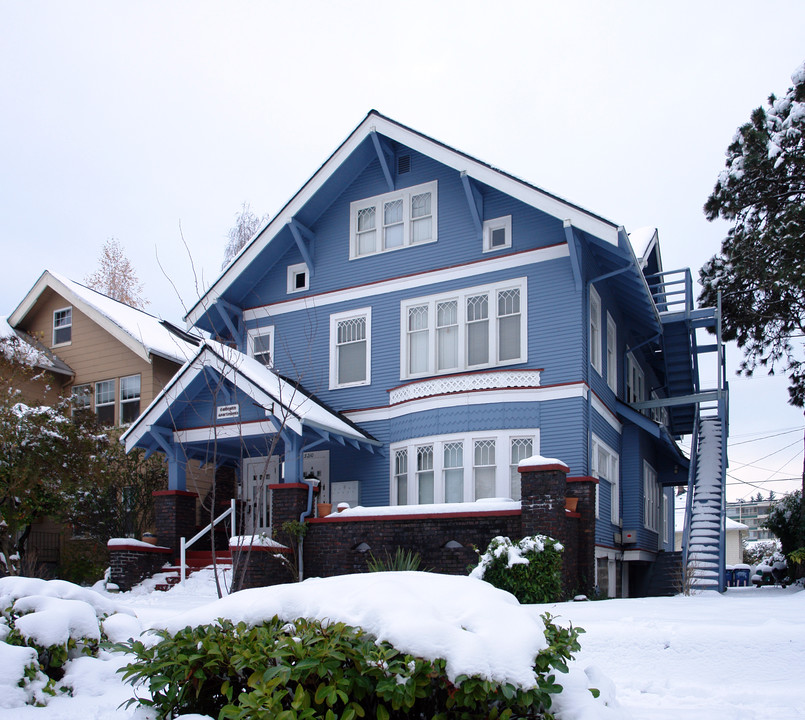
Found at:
(753, 514)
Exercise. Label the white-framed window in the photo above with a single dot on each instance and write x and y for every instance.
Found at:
(129, 399)
(668, 529)
(350, 348)
(393, 220)
(260, 345)
(498, 233)
(62, 326)
(105, 402)
(635, 381)
(651, 498)
(298, 278)
(460, 468)
(606, 466)
(81, 397)
(467, 329)
(595, 330)
(612, 354)
(659, 414)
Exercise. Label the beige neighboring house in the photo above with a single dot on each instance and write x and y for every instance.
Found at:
(109, 357)
(734, 545)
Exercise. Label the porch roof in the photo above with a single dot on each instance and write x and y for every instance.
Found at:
(285, 406)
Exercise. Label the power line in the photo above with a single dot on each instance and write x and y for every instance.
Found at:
(765, 437)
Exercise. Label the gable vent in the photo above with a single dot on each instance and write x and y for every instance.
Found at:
(403, 164)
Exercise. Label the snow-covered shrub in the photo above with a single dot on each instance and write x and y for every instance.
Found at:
(787, 523)
(756, 552)
(530, 569)
(314, 670)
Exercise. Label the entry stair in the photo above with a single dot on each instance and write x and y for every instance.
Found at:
(196, 560)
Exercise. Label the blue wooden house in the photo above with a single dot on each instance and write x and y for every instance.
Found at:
(415, 322)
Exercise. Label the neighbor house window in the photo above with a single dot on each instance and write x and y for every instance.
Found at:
(393, 220)
(260, 345)
(606, 466)
(612, 354)
(105, 402)
(467, 329)
(298, 278)
(460, 468)
(350, 348)
(129, 399)
(651, 498)
(63, 326)
(81, 397)
(595, 330)
(498, 233)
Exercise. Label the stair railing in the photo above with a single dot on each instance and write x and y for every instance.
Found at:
(694, 463)
(184, 544)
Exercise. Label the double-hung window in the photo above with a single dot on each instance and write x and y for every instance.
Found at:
(350, 348)
(606, 466)
(62, 326)
(424, 474)
(465, 330)
(105, 402)
(595, 330)
(521, 448)
(612, 354)
(393, 220)
(652, 502)
(81, 397)
(129, 399)
(260, 345)
(635, 381)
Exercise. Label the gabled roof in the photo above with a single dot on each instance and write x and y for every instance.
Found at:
(474, 168)
(142, 333)
(299, 409)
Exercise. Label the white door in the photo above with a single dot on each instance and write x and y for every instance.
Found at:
(257, 474)
(316, 464)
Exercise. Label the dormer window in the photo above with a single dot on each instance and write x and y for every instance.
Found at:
(393, 220)
(63, 326)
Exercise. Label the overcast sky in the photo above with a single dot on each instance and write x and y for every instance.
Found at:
(152, 122)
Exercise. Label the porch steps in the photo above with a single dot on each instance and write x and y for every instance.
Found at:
(706, 514)
(196, 560)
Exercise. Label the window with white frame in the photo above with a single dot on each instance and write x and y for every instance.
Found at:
(468, 329)
(105, 402)
(635, 381)
(659, 414)
(260, 345)
(595, 330)
(350, 348)
(298, 278)
(520, 449)
(612, 354)
(606, 466)
(497, 233)
(651, 498)
(393, 220)
(129, 399)
(62, 326)
(667, 526)
(81, 397)
(459, 468)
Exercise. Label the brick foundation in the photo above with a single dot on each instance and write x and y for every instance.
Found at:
(260, 566)
(175, 517)
(131, 564)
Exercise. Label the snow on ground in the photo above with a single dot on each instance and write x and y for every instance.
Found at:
(737, 656)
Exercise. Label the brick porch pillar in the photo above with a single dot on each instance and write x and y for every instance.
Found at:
(175, 515)
(543, 488)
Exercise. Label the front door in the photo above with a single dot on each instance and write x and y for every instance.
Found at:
(257, 474)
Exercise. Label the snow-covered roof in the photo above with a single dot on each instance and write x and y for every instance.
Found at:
(375, 122)
(140, 331)
(258, 382)
(29, 351)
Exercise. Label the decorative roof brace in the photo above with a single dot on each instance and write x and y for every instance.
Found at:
(232, 317)
(573, 248)
(300, 233)
(383, 155)
(476, 202)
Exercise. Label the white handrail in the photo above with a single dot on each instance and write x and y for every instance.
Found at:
(184, 544)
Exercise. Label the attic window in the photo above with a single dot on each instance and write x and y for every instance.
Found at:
(498, 233)
(403, 164)
(298, 278)
(62, 326)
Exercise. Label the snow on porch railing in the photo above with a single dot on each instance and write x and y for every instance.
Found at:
(184, 544)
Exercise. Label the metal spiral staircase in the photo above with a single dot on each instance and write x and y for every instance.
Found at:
(700, 413)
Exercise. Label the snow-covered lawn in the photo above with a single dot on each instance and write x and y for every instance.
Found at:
(737, 655)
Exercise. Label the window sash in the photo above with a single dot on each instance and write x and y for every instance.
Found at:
(62, 326)
(350, 349)
(606, 466)
(651, 498)
(521, 448)
(612, 354)
(595, 329)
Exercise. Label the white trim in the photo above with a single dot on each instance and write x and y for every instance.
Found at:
(502, 440)
(464, 399)
(224, 432)
(517, 189)
(639, 556)
(460, 296)
(652, 500)
(121, 401)
(607, 415)
(504, 223)
(267, 330)
(335, 319)
(613, 459)
(410, 282)
(293, 272)
(465, 382)
(632, 393)
(595, 335)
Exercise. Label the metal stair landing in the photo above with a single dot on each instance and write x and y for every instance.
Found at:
(705, 515)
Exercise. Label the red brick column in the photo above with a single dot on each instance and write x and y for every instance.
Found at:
(175, 516)
(543, 489)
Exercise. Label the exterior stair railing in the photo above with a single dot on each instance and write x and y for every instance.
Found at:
(185, 544)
